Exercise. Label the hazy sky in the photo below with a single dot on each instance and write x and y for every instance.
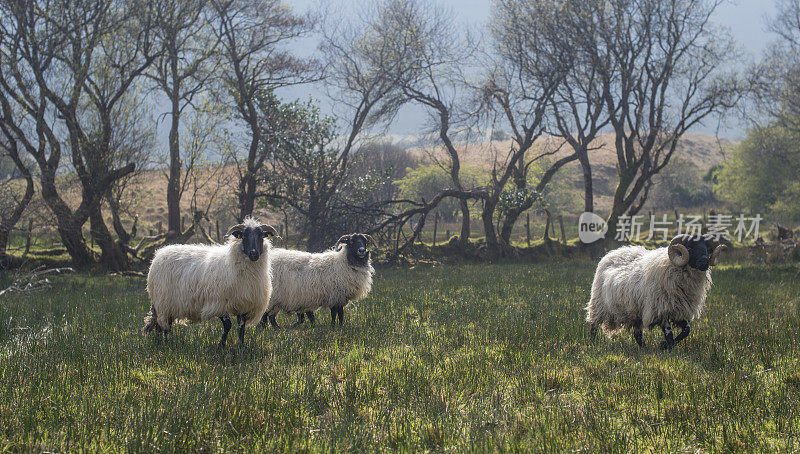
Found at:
(746, 20)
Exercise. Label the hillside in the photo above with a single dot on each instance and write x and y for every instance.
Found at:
(703, 151)
(145, 194)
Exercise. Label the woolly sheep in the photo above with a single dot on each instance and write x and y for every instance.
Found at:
(634, 287)
(302, 282)
(191, 283)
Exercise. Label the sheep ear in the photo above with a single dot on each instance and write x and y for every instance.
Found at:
(268, 230)
(370, 239)
(713, 240)
(236, 231)
(342, 240)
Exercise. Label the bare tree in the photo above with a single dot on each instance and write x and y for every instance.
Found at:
(437, 78)
(182, 72)
(253, 35)
(577, 107)
(365, 67)
(12, 204)
(517, 93)
(68, 67)
(778, 94)
(662, 67)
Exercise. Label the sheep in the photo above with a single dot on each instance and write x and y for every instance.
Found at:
(302, 282)
(192, 283)
(634, 287)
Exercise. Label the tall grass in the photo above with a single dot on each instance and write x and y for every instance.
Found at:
(476, 357)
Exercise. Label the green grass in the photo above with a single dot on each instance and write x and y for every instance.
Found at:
(470, 357)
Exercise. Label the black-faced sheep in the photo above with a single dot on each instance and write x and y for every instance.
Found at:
(634, 287)
(302, 282)
(191, 283)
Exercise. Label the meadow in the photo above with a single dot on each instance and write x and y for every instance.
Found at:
(437, 358)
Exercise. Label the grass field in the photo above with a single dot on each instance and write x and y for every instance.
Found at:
(469, 357)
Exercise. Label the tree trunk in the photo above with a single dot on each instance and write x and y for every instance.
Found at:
(72, 238)
(174, 180)
(588, 190)
(3, 246)
(247, 195)
(11, 220)
(247, 183)
(112, 256)
(508, 224)
(463, 240)
(316, 237)
(487, 215)
(116, 222)
(619, 206)
(68, 228)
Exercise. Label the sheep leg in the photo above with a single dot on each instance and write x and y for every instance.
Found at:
(334, 311)
(267, 318)
(168, 331)
(300, 319)
(637, 336)
(669, 342)
(310, 317)
(685, 330)
(241, 320)
(593, 332)
(226, 326)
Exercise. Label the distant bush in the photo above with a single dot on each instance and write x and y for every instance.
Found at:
(425, 181)
(761, 176)
(681, 185)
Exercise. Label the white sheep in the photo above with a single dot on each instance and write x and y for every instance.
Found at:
(192, 283)
(302, 282)
(634, 287)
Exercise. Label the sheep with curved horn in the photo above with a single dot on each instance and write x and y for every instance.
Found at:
(635, 288)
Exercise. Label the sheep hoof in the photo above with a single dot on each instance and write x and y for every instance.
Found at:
(666, 346)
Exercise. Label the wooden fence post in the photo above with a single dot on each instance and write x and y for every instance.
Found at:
(435, 226)
(28, 237)
(528, 227)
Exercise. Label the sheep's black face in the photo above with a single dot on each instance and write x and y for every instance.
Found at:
(357, 252)
(699, 248)
(252, 241)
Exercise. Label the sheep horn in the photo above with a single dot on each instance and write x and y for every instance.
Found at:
(370, 239)
(715, 255)
(678, 254)
(716, 248)
(342, 240)
(235, 228)
(269, 230)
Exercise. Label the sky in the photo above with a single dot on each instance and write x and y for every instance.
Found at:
(746, 20)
